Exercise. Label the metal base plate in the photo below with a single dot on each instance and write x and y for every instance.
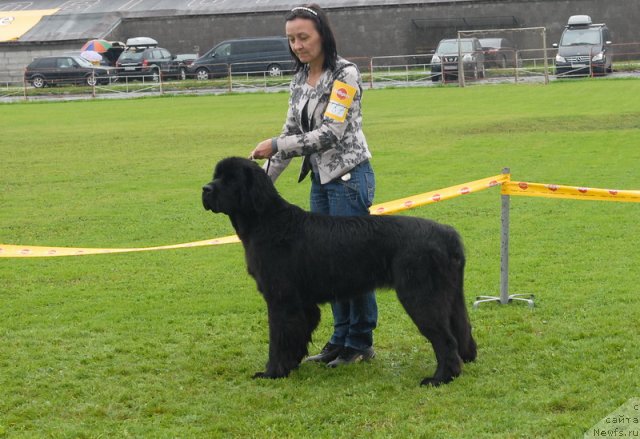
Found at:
(528, 298)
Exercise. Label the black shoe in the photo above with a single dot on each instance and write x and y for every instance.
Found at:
(349, 355)
(328, 353)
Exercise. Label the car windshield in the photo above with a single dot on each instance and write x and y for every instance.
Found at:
(490, 42)
(451, 46)
(580, 37)
(130, 57)
(83, 62)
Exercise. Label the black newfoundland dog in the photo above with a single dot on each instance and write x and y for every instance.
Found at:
(301, 259)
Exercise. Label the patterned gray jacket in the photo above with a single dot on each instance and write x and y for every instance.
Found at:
(334, 133)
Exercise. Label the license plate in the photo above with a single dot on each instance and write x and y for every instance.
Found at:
(578, 65)
(129, 68)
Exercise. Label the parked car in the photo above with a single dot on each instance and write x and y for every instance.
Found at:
(444, 62)
(66, 69)
(186, 58)
(247, 55)
(144, 59)
(498, 52)
(584, 49)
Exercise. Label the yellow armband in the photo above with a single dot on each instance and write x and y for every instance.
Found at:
(340, 101)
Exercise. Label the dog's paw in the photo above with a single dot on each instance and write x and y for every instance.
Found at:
(265, 375)
(471, 353)
(435, 382)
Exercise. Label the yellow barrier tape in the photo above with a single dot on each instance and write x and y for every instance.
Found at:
(575, 192)
(29, 251)
(438, 195)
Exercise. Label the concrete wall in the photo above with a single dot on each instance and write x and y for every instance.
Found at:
(360, 31)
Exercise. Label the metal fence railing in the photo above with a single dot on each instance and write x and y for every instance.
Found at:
(526, 65)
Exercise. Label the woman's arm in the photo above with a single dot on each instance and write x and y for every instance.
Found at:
(341, 115)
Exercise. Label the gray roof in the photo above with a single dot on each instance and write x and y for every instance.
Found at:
(77, 20)
(193, 6)
(71, 27)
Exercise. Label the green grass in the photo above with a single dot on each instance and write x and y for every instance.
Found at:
(163, 344)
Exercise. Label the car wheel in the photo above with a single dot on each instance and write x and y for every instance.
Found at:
(155, 75)
(502, 61)
(474, 72)
(274, 70)
(202, 74)
(482, 73)
(183, 73)
(38, 82)
(436, 78)
(90, 81)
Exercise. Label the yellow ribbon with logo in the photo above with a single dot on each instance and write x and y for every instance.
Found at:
(509, 187)
(574, 192)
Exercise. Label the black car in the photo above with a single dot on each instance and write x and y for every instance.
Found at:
(444, 62)
(149, 63)
(498, 52)
(585, 48)
(66, 69)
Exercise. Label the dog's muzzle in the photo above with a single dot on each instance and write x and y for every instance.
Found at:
(207, 192)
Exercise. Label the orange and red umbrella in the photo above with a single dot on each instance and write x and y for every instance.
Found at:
(100, 46)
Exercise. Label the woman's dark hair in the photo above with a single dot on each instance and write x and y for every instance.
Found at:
(315, 13)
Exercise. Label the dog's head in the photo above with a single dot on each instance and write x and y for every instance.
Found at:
(239, 187)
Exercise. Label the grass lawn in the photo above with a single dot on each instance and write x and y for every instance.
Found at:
(163, 344)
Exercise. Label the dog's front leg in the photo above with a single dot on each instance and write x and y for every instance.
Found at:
(288, 338)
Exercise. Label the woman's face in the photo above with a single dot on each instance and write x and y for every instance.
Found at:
(305, 41)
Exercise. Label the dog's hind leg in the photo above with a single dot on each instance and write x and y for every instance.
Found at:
(290, 328)
(460, 325)
(432, 319)
(461, 329)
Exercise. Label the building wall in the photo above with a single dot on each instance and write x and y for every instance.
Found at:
(360, 31)
(392, 30)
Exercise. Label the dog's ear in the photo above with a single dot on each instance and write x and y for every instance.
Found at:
(259, 188)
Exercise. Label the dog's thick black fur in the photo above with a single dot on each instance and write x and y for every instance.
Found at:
(301, 259)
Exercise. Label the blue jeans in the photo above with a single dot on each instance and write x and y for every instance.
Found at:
(355, 319)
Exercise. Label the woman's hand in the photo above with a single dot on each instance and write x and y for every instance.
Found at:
(263, 150)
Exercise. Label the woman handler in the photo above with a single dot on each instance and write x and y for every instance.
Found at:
(324, 127)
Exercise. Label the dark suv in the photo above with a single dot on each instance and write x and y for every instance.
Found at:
(66, 69)
(149, 63)
(444, 62)
(246, 55)
(584, 49)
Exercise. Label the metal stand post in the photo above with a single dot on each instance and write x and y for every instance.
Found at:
(504, 262)
(546, 60)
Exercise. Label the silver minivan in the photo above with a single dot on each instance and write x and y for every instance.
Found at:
(266, 55)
